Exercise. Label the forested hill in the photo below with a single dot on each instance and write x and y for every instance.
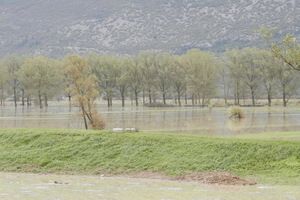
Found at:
(58, 27)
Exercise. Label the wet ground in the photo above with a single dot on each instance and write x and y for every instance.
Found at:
(54, 187)
(183, 119)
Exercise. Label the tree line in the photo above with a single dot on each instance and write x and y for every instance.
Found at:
(155, 77)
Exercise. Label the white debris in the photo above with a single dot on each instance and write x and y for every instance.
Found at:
(121, 130)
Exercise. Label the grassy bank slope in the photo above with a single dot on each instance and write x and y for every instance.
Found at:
(69, 151)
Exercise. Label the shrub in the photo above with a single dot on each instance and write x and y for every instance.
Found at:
(236, 113)
(97, 121)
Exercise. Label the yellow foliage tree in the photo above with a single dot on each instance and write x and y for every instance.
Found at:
(83, 87)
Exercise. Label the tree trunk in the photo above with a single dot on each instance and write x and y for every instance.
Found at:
(108, 101)
(253, 97)
(164, 98)
(46, 100)
(84, 117)
(284, 96)
(269, 99)
(136, 98)
(123, 99)
(179, 98)
(28, 101)
(23, 97)
(70, 100)
(111, 101)
(144, 97)
(109, 98)
(150, 97)
(237, 100)
(199, 100)
(2, 97)
(185, 98)
(15, 96)
(40, 100)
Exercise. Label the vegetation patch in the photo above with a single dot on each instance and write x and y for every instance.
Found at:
(212, 178)
(98, 152)
(236, 113)
(219, 178)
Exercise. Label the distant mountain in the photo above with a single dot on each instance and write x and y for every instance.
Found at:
(58, 27)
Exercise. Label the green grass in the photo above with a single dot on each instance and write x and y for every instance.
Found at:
(92, 152)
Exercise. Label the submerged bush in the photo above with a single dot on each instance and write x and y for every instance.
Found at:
(236, 113)
(97, 121)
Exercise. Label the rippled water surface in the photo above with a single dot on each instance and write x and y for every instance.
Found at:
(52, 187)
(202, 120)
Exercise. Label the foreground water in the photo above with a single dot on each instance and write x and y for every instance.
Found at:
(55, 187)
(204, 120)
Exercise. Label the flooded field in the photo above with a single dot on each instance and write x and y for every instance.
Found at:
(204, 120)
(52, 187)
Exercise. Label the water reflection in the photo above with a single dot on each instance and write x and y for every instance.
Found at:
(197, 120)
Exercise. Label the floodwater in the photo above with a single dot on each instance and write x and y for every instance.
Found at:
(54, 187)
(184, 119)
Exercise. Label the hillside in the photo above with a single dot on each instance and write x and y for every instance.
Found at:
(55, 27)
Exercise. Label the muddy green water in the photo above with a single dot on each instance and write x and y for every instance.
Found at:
(43, 187)
(184, 119)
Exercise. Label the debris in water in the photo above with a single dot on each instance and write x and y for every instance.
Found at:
(60, 183)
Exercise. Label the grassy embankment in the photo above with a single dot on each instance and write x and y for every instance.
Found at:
(273, 158)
